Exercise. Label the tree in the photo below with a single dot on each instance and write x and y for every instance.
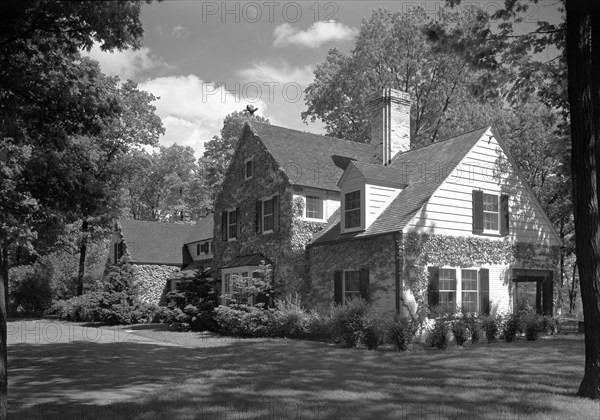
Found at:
(219, 150)
(583, 60)
(441, 64)
(39, 47)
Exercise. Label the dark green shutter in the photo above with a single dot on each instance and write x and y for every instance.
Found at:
(484, 291)
(224, 225)
(275, 213)
(259, 216)
(504, 214)
(338, 293)
(433, 291)
(364, 283)
(115, 253)
(477, 211)
(238, 223)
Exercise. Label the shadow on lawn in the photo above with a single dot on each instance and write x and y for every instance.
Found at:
(286, 379)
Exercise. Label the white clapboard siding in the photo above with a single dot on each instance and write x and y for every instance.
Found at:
(377, 199)
(485, 167)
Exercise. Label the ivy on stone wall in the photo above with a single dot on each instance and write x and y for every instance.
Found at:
(422, 250)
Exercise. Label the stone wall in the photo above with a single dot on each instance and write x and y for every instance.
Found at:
(377, 254)
(152, 281)
(284, 247)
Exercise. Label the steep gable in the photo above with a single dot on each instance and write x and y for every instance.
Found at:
(423, 169)
(306, 157)
(201, 231)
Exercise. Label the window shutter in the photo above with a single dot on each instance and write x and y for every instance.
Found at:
(477, 211)
(504, 215)
(275, 213)
(484, 291)
(224, 225)
(259, 216)
(338, 294)
(238, 224)
(116, 253)
(433, 291)
(364, 283)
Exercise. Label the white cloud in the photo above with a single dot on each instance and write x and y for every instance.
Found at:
(277, 72)
(193, 110)
(127, 64)
(315, 36)
(176, 32)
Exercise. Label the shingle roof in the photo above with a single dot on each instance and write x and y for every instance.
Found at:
(424, 170)
(202, 230)
(154, 242)
(247, 260)
(306, 157)
(380, 173)
(191, 270)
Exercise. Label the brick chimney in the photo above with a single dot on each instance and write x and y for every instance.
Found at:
(390, 122)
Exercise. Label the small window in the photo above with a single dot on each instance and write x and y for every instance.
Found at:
(490, 212)
(447, 290)
(232, 224)
(351, 285)
(248, 169)
(268, 215)
(227, 283)
(314, 207)
(352, 210)
(469, 290)
(198, 249)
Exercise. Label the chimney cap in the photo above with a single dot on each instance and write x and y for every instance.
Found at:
(394, 94)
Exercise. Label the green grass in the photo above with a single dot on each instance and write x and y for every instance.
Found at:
(173, 375)
(278, 379)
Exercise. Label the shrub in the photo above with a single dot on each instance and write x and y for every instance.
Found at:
(533, 327)
(473, 326)
(290, 319)
(511, 326)
(317, 326)
(347, 322)
(490, 326)
(400, 333)
(439, 334)
(244, 321)
(460, 331)
(30, 290)
(549, 325)
(372, 331)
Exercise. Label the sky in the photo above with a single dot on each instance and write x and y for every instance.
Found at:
(206, 59)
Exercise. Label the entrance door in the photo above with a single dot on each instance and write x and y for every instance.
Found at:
(533, 288)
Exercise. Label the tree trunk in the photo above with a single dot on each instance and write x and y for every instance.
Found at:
(573, 292)
(82, 254)
(583, 61)
(3, 346)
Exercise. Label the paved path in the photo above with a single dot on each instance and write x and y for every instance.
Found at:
(64, 370)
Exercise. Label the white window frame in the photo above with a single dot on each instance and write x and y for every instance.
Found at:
(462, 290)
(355, 293)
(174, 284)
(229, 237)
(263, 215)
(448, 290)
(251, 160)
(323, 207)
(485, 230)
(228, 273)
(360, 209)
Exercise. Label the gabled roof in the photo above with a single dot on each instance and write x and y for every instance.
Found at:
(381, 173)
(201, 231)
(154, 242)
(306, 157)
(247, 260)
(424, 169)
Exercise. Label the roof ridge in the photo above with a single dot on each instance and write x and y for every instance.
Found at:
(442, 141)
(308, 132)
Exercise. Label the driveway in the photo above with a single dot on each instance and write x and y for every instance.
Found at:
(65, 370)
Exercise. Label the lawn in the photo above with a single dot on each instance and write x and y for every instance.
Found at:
(222, 378)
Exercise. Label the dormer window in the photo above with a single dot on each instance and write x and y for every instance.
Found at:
(248, 169)
(352, 210)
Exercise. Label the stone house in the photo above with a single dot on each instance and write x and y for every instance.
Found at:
(156, 252)
(451, 224)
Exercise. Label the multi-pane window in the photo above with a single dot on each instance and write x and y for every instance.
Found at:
(226, 283)
(351, 284)
(268, 214)
(352, 210)
(490, 212)
(469, 290)
(314, 207)
(447, 290)
(232, 224)
(248, 172)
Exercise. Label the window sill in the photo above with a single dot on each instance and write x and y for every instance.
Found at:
(247, 179)
(308, 219)
(352, 230)
(495, 234)
(231, 239)
(266, 232)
